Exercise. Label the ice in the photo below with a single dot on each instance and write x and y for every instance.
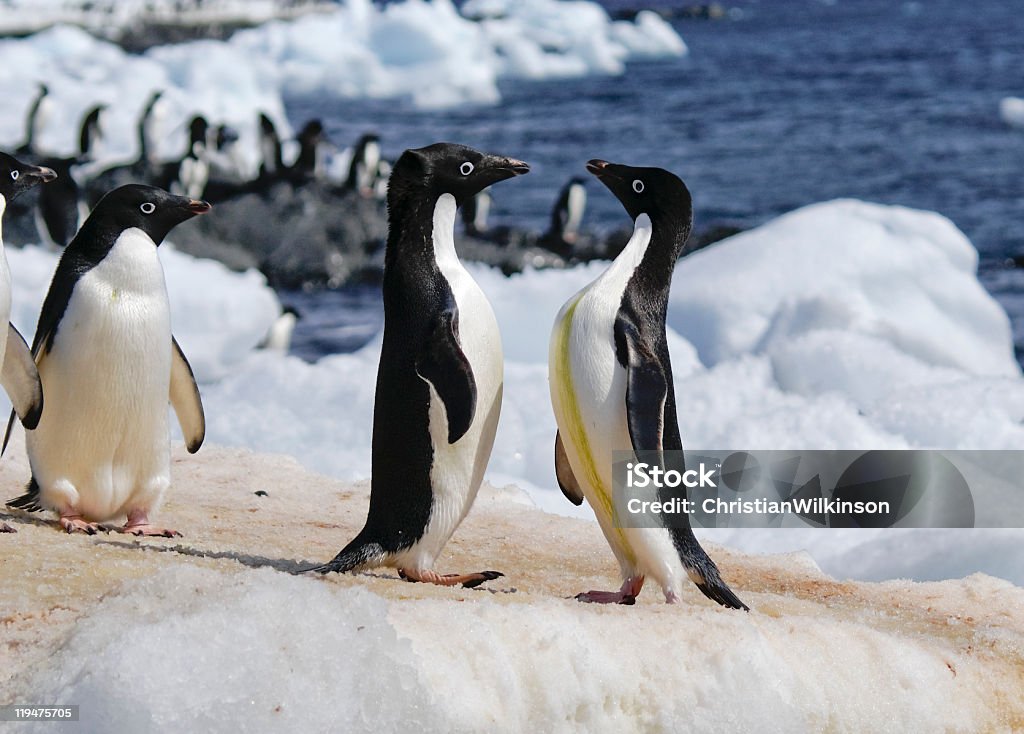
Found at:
(425, 51)
(841, 325)
(81, 72)
(192, 640)
(1011, 109)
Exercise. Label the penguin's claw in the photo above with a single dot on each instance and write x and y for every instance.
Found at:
(468, 580)
(75, 523)
(5, 528)
(149, 531)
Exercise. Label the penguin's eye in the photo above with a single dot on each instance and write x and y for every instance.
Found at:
(638, 186)
(148, 207)
(14, 174)
(466, 168)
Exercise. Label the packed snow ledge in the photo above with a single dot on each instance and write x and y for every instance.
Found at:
(209, 632)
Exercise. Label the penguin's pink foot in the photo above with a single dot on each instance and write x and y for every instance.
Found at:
(626, 595)
(5, 528)
(468, 580)
(138, 524)
(78, 524)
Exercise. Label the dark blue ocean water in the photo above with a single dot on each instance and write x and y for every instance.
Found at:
(794, 102)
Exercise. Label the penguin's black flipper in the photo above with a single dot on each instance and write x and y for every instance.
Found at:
(646, 388)
(29, 502)
(20, 379)
(444, 365)
(563, 472)
(184, 395)
(7, 433)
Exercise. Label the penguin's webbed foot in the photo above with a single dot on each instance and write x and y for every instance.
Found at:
(5, 528)
(626, 595)
(468, 580)
(148, 531)
(78, 524)
(138, 525)
(606, 597)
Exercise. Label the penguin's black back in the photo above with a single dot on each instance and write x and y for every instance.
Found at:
(415, 292)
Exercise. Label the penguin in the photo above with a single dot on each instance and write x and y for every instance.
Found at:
(365, 165)
(18, 373)
(34, 119)
(60, 208)
(439, 381)
(271, 162)
(100, 178)
(611, 385)
(279, 335)
(109, 364)
(310, 161)
(568, 212)
(475, 213)
(189, 175)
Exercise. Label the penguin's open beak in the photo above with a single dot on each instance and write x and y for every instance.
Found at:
(198, 207)
(600, 168)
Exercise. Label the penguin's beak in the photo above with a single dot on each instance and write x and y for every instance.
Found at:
(504, 168)
(601, 169)
(198, 207)
(40, 174)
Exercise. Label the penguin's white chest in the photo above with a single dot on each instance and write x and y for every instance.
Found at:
(457, 469)
(588, 385)
(104, 430)
(5, 291)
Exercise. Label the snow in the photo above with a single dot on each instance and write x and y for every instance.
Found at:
(840, 325)
(424, 51)
(551, 667)
(187, 636)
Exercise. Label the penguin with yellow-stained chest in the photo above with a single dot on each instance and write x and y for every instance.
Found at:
(611, 386)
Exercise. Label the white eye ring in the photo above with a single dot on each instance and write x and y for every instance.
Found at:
(638, 186)
(148, 207)
(466, 168)
(14, 174)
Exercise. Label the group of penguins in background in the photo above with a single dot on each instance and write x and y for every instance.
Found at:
(324, 220)
(106, 363)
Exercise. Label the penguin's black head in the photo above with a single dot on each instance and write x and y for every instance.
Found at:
(148, 208)
(652, 191)
(198, 128)
(16, 177)
(449, 168)
(312, 132)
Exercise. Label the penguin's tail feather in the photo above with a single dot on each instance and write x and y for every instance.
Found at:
(357, 554)
(704, 573)
(28, 501)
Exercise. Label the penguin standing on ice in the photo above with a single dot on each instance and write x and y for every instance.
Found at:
(439, 382)
(611, 385)
(109, 364)
(60, 207)
(17, 370)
